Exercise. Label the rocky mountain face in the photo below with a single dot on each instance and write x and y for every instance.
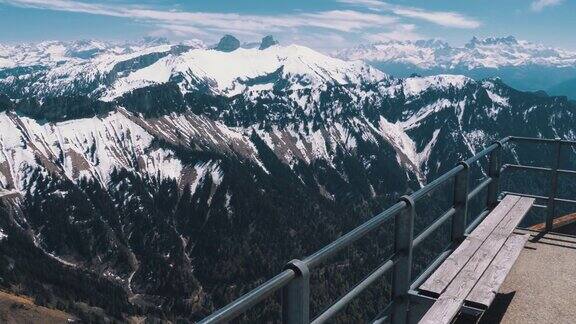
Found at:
(167, 181)
(521, 64)
(267, 42)
(228, 43)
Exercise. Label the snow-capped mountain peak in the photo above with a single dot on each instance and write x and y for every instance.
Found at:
(508, 41)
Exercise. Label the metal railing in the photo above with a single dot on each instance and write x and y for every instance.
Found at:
(295, 279)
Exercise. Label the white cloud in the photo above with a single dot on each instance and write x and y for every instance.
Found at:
(538, 5)
(328, 42)
(405, 32)
(372, 20)
(442, 18)
(448, 19)
(339, 20)
(322, 29)
(62, 5)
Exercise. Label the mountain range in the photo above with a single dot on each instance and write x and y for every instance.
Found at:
(164, 180)
(522, 64)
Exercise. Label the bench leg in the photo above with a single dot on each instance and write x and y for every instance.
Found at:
(420, 304)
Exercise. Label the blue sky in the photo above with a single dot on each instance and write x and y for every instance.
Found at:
(323, 24)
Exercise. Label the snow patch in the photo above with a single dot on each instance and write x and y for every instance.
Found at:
(405, 147)
(415, 86)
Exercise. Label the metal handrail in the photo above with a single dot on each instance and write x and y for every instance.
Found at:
(563, 200)
(535, 168)
(349, 238)
(252, 298)
(541, 140)
(479, 188)
(434, 226)
(294, 280)
(354, 292)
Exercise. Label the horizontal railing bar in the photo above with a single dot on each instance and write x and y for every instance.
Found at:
(350, 237)
(505, 140)
(432, 186)
(479, 188)
(482, 154)
(535, 168)
(542, 140)
(526, 167)
(532, 139)
(524, 195)
(359, 288)
(533, 205)
(250, 299)
(566, 171)
(477, 221)
(424, 275)
(487, 150)
(564, 200)
(437, 223)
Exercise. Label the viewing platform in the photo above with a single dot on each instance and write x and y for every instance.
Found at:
(540, 286)
(510, 252)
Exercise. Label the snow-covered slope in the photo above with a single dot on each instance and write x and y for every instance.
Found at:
(108, 71)
(231, 73)
(84, 148)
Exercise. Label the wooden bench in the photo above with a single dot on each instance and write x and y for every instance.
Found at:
(473, 273)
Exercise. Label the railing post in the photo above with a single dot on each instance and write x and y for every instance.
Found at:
(553, 187)
(402, 272)
(494, 165)
(460, 218)
(296, 295)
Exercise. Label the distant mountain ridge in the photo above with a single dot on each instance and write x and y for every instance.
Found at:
(490, 52)
(57, 52)
(522, 64)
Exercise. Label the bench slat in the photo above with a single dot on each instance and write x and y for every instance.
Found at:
(451, 300)
(441, 278)
(487, 287)
(513, 218)
(487, 226)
